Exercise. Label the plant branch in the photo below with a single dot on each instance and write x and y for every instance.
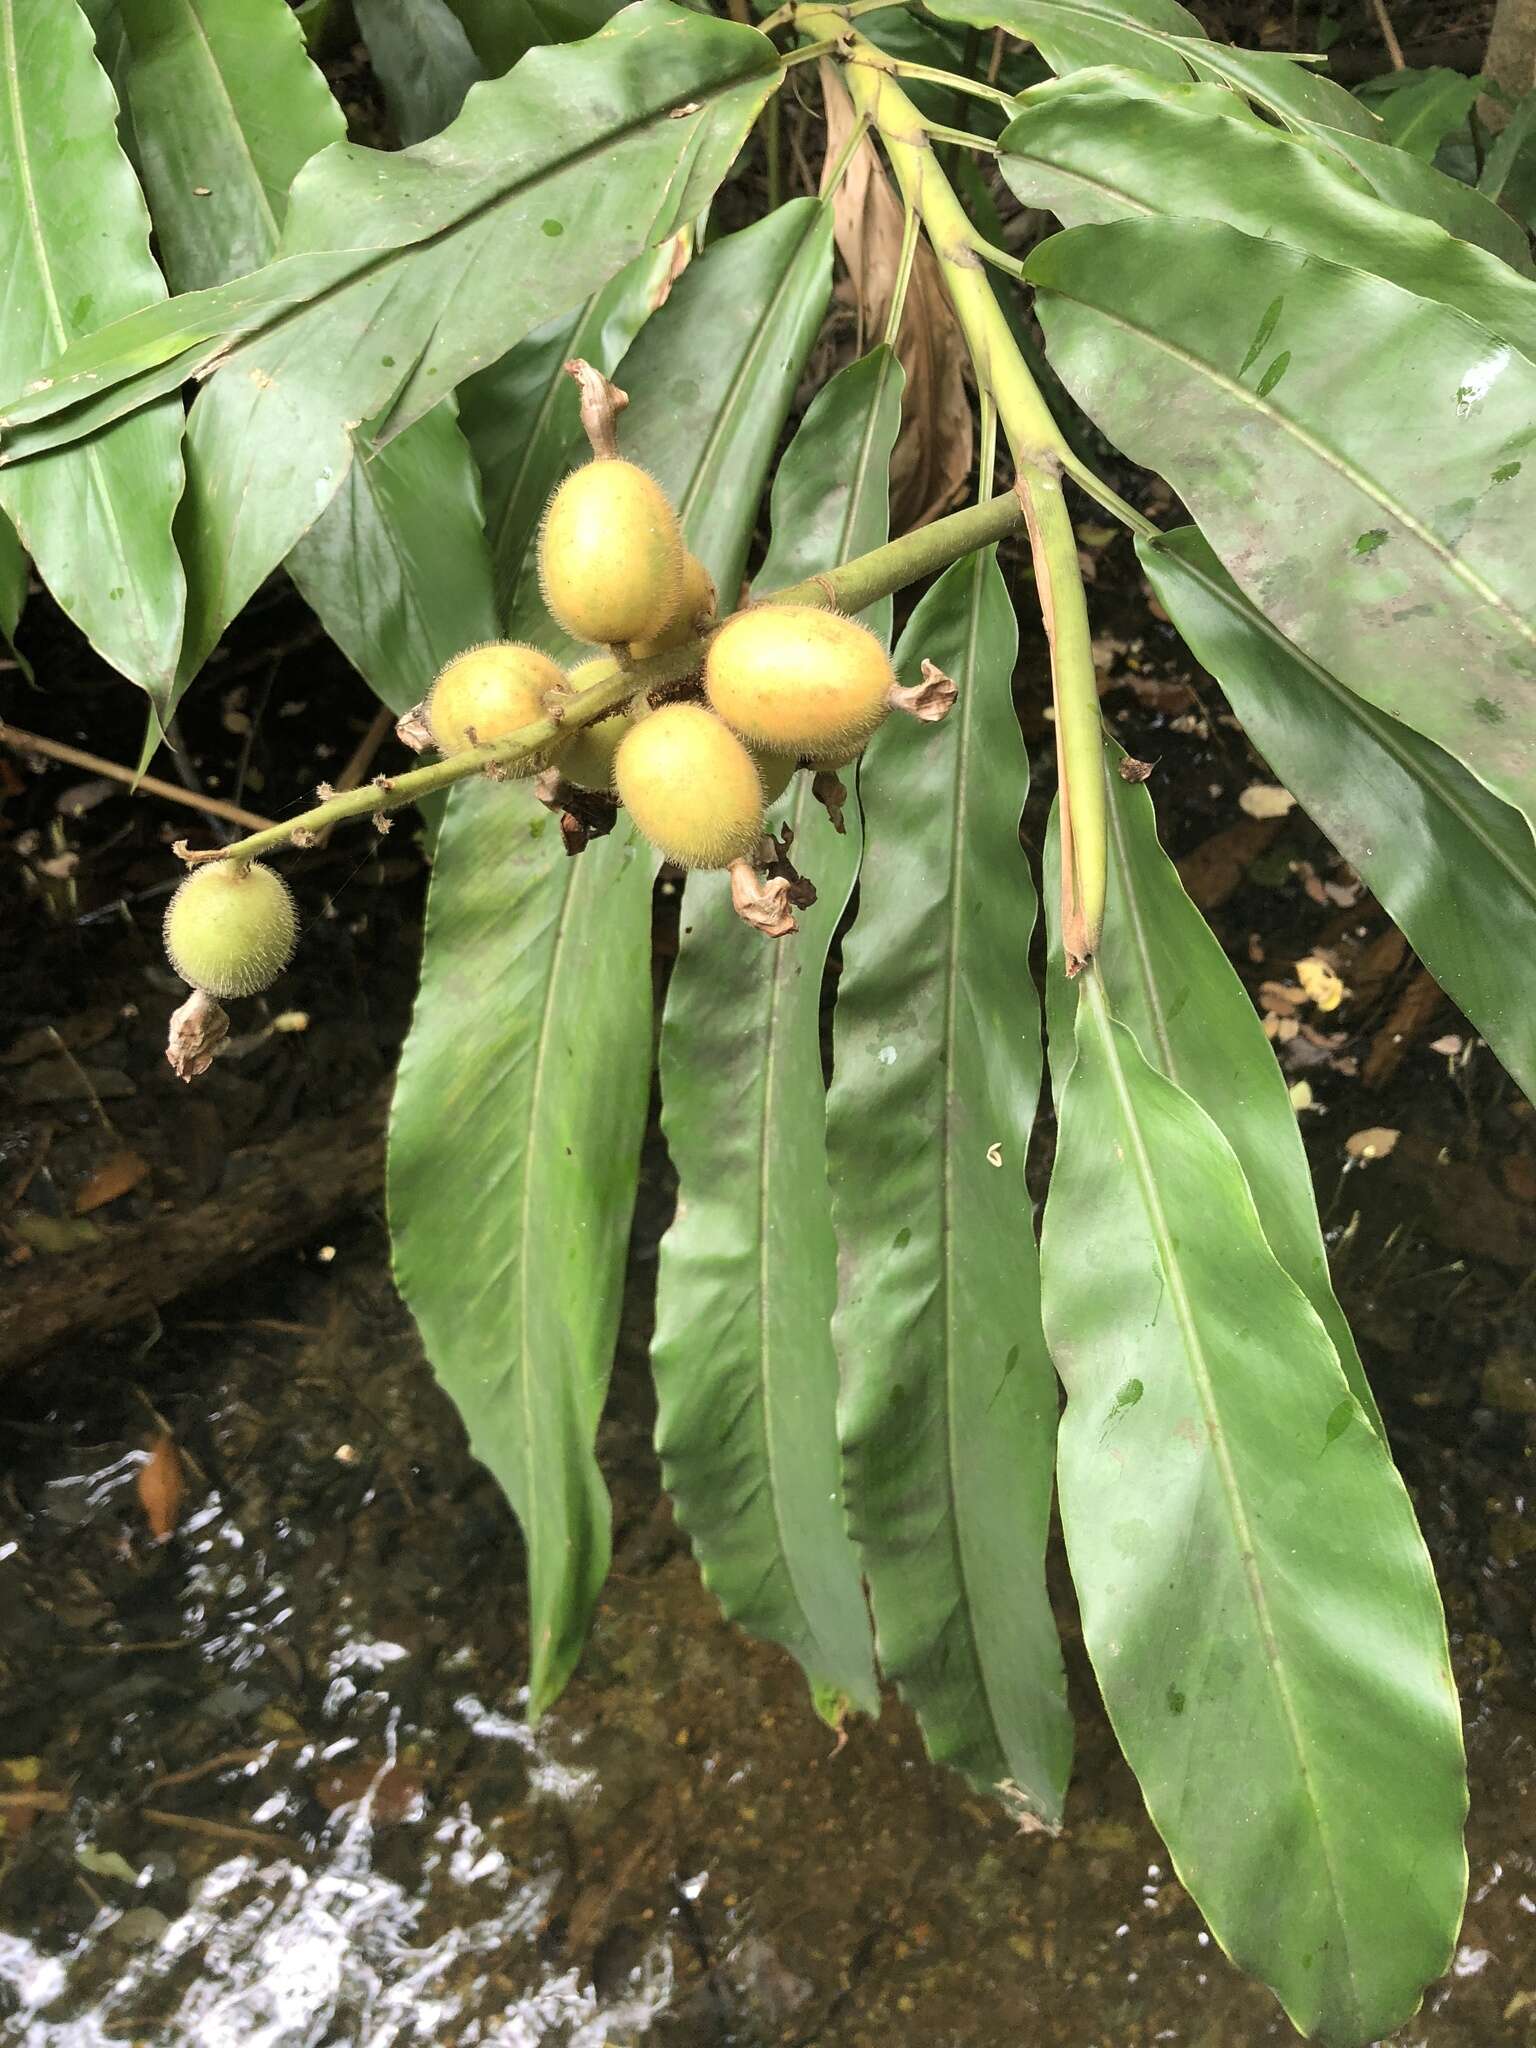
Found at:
(22, 742)
(1040, 454)
(851, 588)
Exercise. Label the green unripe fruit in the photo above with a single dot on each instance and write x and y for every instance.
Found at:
(611, 554)
(489, 692)
(231, 928)
(799, 680)
(586, 758)
(695, 610)
(691, 786)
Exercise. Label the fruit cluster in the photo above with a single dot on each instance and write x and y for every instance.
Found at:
(781, 686)
(696, 761)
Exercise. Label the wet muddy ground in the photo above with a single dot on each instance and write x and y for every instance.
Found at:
(267, 1782)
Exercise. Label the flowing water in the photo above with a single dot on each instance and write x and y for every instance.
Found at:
(268, 1784)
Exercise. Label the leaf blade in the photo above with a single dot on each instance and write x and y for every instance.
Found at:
(1454, 867)
(948, 1407)
(574, 955)
(1239, 410)
(1230, 1633)
(747, 1278)
(1168, 981)
(97, 521)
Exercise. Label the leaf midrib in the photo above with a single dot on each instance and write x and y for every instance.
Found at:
(1170, 1266)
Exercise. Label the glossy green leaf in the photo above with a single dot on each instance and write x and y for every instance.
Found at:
(398, 570)
(1169, 982)
(396, 567)
(1454, 866)
(448, 253)
(1418, 109)
(1095, 151)
(227, 108)
(1162, 38)
(523, 415)
(502, 31)
(535, 979)
(948, 1409)
(1418, 188)
(423, 60)
(1255, 1595)
(97, 520)
(746, 1377)
(1398, 560)
(512, 1177)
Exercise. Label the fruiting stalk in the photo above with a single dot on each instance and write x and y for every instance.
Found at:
(851, 588)
(1040, 454)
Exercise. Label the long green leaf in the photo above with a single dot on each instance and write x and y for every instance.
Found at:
(396, 567)
(422, 58)
(518, 467)
(228, 108)
(746, 1376)
(1418, 109)
(1162, 38)
(1455, 867)
(948, 1410)
(1169, 982)
(96, 520)
(532, 1031)
(1107, 146)
(13, 587)
(1398, 560)
(429, 262)
(1255, 1595)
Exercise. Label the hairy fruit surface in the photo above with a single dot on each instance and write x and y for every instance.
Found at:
(799, 680)
(695, 612)
(611, 554)
(491, 691)
(586, 758)
(691, 786)
(231, 928)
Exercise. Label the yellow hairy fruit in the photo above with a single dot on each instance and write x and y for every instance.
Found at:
(691, 786)
(586, 758)
(695, 608)
(611, 554)
(231, 928)
(799, 680)
(488, 693)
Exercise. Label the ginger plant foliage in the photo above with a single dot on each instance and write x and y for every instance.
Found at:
(522, 446)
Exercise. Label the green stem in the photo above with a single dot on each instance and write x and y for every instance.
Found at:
(851, 588)
(975, 87)
(1040, 454)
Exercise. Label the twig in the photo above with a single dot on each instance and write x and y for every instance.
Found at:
(1388, 34)
(44, 1802)
(228, 1760)
(216, 1830)
(21, 742)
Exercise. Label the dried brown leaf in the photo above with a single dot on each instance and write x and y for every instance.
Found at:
(161, 1487)
(932, 460)
(122, 1172)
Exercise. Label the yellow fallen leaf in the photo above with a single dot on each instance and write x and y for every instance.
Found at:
(1301, 1095)
(1323, 986)
(1375, 1143)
